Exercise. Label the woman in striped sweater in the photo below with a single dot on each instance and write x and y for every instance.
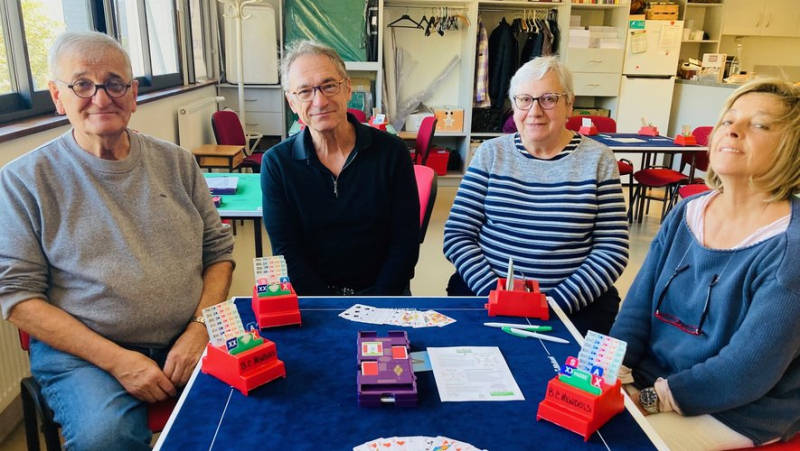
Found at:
(547, 198)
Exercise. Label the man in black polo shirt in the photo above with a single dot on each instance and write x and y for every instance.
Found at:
(340, 198)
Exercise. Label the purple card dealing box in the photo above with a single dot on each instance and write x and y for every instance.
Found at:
(385, 374)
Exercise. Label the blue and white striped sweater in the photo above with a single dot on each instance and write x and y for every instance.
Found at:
(562, 220)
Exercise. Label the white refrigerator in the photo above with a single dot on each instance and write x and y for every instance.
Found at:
(648, 74)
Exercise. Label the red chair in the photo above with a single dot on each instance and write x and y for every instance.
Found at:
(228, 131)
(671, 180)
(603, 124)
(424, 141)
(360, 115)
(692, 189)
(36, 410)
(427, 183)
(607, 125)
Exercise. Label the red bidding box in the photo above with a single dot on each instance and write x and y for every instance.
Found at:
(524, 300)
(246, 370)
(683, 140)
(587, 131)
(648, 131)
(274, 311)
(577, 410)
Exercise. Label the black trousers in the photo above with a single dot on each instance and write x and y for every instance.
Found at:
(598, 316)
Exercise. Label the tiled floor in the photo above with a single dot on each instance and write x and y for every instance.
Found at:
(432, 271)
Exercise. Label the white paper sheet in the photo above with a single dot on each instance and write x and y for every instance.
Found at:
(628, 140)
(473, 373)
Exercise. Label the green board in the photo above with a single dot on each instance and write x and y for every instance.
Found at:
(340, 24)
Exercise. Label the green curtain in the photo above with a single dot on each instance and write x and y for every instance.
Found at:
(340, 24)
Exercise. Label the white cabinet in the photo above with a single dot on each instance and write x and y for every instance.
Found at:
(705, 17)
(761, 17)
(597, 71)
(263, 106)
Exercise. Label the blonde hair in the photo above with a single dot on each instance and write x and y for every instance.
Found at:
(782, 179)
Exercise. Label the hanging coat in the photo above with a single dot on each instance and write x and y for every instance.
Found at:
(503, 51)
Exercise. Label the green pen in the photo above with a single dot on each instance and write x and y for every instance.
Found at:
(526, 334)
(526, 327)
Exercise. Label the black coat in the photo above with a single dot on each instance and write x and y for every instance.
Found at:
(503, 54)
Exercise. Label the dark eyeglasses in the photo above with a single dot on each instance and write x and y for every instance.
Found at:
(328, 89)
(86, 89)
(546, 101)
(675, 321)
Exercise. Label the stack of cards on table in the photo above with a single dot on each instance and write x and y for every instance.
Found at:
(396, 317)
(417, 443)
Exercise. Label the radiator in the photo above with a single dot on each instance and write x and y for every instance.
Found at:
(194, 123)
(14, 364)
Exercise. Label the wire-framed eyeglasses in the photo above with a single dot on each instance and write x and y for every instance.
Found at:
(328, 89)
(546, 101)
(674, 320)
(86, 89)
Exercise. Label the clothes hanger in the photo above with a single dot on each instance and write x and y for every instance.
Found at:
(402, 23)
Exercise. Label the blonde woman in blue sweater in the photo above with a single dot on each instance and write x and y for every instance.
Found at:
(713, 316)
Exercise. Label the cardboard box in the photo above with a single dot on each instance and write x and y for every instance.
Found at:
(361, 84)
(578, 111)
(450, 119)
(414, 121)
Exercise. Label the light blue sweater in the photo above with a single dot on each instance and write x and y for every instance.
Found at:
(561, 220)
(744, 368)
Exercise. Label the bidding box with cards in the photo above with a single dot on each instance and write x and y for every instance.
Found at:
(274, 300)
(239, 357)
(586, 394)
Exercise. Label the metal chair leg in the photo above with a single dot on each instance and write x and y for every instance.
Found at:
(41, 412)
(30, 417)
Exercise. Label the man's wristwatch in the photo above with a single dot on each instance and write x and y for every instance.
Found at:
(648, 398)
(200, 319)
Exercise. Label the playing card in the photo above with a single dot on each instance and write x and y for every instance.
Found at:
(401, 444)
(379, 316)
(439, 319)
(357, 312)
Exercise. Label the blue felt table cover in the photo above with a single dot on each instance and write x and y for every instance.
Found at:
(315, 407)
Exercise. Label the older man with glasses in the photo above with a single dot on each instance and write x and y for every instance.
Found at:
(548, 199)
(111, 248)
(340, 198)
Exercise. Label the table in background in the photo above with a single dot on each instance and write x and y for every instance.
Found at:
(218, 156)
(245, 204)
(651, 146)
(315, 406)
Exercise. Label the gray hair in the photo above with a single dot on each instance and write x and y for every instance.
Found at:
(536, 69)
(88, 44)
(307, 47)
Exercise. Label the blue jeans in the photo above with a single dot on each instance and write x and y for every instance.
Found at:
(94, 410)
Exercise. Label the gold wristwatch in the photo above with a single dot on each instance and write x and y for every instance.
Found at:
(648, 398)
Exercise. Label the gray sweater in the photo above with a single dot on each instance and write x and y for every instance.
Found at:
(120, 245)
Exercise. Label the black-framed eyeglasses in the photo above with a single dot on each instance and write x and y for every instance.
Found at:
(675, 321)
(86, 89)
(328, 89)
(546, 101)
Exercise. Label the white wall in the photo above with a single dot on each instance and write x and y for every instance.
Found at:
(158, 118)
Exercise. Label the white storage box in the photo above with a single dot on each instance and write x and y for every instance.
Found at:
(414, 121)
